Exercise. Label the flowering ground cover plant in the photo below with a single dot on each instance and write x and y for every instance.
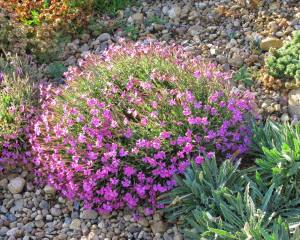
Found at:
(284, 63)
(130, 119)
(17, 96)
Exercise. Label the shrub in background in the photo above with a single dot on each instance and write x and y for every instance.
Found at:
(13, 35)
(17, 96)
(128, 120)
(284, 63)
(52, 15)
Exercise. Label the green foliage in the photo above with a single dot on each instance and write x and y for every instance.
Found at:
(16, 94)
(155, 20)
(34, 19)
(261, 202)
(111, 6)
(223, 202)
(285, 62)
(131, 31)
(56, 69)
(251, 214)
(198, 187)
(278, 147)
(243, 76)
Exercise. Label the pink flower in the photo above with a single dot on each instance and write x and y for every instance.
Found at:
(129, 171)
(199, 160)
(165, 135)
(197, 74)
(144, 121)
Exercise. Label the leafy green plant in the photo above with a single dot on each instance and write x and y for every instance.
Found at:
(278, 147)
(223, 202)
(155, 19)
(34, 19)
(56, 69)
(252, 214)
(284, 63)
(243, 76)
(196, 189)
(131, 31)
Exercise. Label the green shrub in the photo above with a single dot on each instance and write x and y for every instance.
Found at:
(231, 208)
(285, 62)
(243, 76)
(278, 148)
(56, 69)
(196, 189)
(251, 214)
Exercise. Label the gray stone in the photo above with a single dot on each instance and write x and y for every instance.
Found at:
(92, 236)
(201, 5)
(3, 231)
(284, 118)
(103, 37)
(88, 214)
(28, 227)
(195, 30)
(44, 204)
(174, 12)
(39, 223)
(56, 212)
(75, 224)
(294, 102)
(71, 60)
(16, 185)
(12, 232)
(84, 48)
(3, 183)
(236, 60)
(158, 227)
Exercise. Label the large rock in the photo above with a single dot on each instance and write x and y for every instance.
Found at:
(88, 214)
(12, 232)
(294, 103)
(103, 37)
(270, 42)
(16, 185)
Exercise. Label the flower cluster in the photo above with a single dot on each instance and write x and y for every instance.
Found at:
(130, 119)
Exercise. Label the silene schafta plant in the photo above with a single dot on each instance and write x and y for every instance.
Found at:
(129, 120)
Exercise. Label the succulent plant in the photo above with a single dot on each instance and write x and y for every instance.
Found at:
(284, 63)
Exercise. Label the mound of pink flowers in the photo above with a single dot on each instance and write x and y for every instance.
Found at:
(129, 120)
